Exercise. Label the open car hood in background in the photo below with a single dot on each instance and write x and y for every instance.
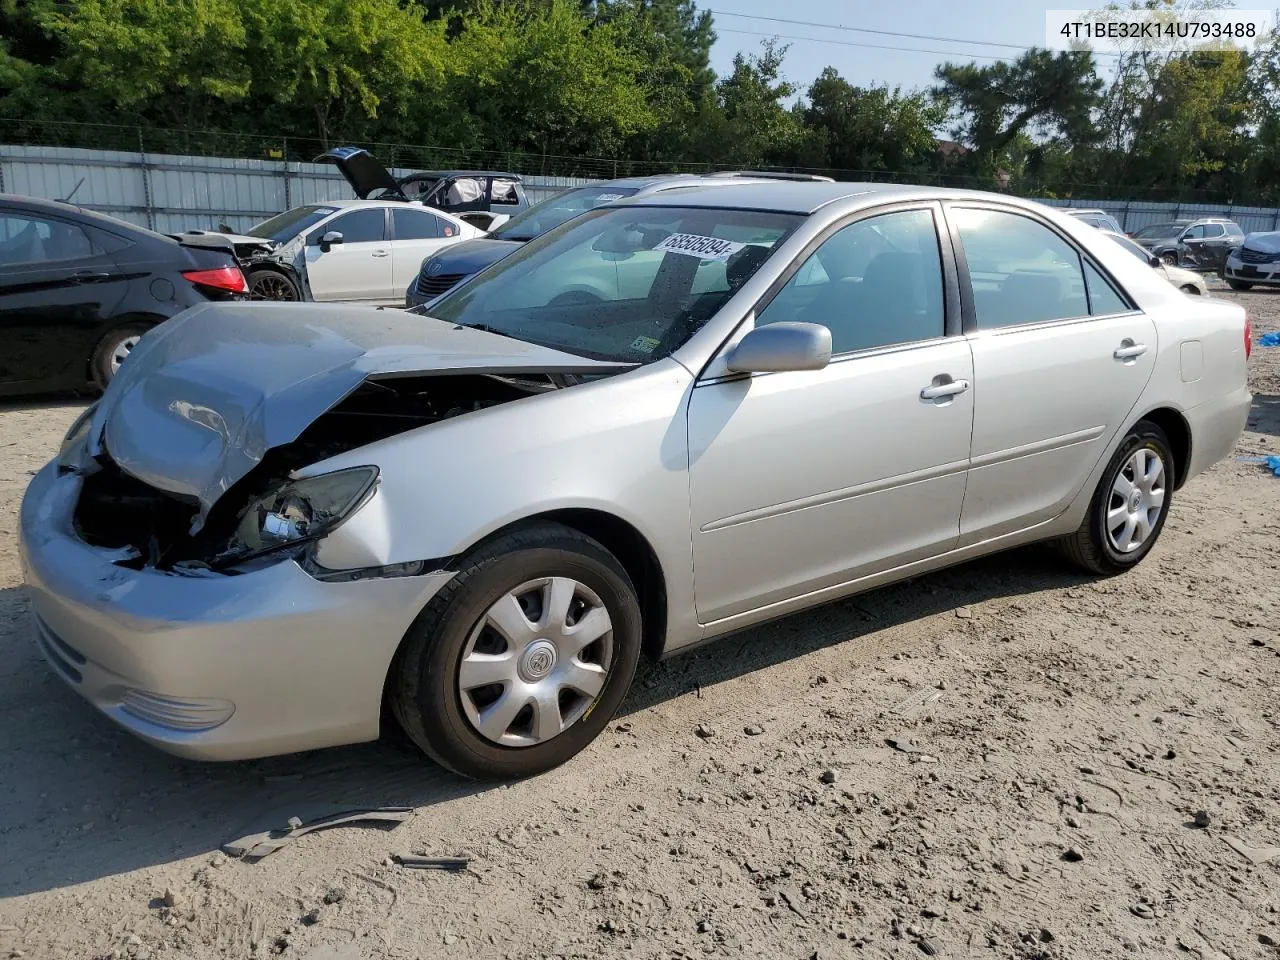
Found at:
(205, 395)
(1268, 242)
(363, 171)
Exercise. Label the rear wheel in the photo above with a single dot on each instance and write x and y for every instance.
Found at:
(1129, 506)
(113, 350)
(520, 661)
(272, 285)
(1240, 285)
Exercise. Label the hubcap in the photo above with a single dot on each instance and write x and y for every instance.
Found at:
(121, 352)
(535, 662)
(1137, 499)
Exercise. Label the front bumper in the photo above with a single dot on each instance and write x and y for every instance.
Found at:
(1236, 269)
(216, 666)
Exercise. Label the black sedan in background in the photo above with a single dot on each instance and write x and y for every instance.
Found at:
(78, 290)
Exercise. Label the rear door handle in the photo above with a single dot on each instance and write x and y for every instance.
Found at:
(90, 276)
(379, 253)
(939, 391)
(1128, 350)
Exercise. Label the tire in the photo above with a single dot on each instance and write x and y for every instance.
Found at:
(1170, 258)
(1189, 289)
(272, 285)
(1102, 551)
(112, 350)
(1240, 285)
(426, 688)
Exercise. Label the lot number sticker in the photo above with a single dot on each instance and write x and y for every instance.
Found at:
(704, 248)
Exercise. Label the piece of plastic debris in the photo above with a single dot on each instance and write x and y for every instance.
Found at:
(1271, 339)
(1255, 855)
(415, 862)
(273, 831)
(1272, 462)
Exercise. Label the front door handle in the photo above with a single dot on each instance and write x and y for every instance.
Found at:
(1128, 350)
(940, 391)
(379, 253)
(90, 276)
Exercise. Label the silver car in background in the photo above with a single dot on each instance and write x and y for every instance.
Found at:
(281, 517)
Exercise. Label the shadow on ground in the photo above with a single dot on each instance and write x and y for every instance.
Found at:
(1264, 415)
(80, 799)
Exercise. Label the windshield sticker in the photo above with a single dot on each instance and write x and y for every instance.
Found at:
(704, 248)
(645, 344)
(608, 198)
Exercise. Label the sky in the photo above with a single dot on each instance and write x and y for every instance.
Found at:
(1016, 22)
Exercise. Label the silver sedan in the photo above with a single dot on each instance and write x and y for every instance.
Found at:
(666, 419)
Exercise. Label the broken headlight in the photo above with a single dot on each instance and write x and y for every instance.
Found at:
(299, 511)
(73, 453)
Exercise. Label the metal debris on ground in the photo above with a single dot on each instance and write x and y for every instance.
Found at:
(273, 831)
(415, 862)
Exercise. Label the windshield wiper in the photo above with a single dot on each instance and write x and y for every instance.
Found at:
(485, 328)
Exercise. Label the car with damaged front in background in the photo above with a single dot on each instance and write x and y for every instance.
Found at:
(283, 522)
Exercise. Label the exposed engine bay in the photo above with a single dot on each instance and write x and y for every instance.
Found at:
(116, 510)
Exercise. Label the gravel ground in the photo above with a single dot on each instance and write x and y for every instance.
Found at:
(1071, 732)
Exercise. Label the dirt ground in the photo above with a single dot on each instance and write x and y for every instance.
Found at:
(1071, 731)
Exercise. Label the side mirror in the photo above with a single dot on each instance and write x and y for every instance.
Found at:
(329, 239)
(778, 347)
(1153, 260)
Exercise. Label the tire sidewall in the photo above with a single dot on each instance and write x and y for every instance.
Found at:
(1147, 435)
(452, 739)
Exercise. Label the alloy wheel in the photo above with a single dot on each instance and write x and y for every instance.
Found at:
(1137, 500)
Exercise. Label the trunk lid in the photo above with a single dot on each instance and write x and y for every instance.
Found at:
(364, 172)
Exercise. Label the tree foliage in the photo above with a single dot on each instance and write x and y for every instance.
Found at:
(631, 81)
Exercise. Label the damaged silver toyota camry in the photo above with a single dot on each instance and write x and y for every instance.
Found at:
(667, 419)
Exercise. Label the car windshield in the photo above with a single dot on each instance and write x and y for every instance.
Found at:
(1157, 231)
(285, 226)
(1131, 247)
(552, 212)
(622, 284)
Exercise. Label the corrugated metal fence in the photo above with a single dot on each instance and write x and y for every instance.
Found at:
(171, 194)
(175, 193)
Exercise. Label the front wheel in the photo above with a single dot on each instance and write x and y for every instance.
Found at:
(1188, 288)
(520, 661)
(1129, 506)
(1170, 259)
(272, 285)
(1240, 285)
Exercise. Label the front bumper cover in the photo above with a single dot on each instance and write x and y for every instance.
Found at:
(216, 666)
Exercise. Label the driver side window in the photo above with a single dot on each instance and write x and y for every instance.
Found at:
(874, 283)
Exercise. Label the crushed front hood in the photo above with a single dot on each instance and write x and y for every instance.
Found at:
(204, 396)
(1263, 242)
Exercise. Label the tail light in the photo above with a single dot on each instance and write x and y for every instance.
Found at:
(1248, 337)
(227, 278)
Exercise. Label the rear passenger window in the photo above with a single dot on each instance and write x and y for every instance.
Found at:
(1103, 298)
(1020, 271)
(875, 283)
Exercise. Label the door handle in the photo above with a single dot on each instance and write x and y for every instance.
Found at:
(940, 391)
(89, 276)
(1128, 350)
(379, 253)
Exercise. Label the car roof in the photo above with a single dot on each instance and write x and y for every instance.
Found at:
(805, 198)
(61, 208)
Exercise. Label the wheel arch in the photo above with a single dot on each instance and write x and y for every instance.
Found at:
(1176, 428)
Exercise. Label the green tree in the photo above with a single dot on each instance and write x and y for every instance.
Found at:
(871, 128)
(356, 68)
(749, 124)
(178, 56)
(1050, 95)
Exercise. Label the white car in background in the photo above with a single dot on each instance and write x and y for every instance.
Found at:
(366, 251)
(1188, 281)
